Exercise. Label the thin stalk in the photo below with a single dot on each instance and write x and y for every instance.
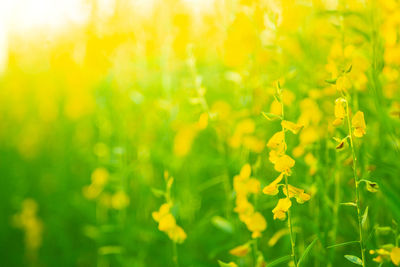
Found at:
(175, 255)
(356, 183)
(292, 242)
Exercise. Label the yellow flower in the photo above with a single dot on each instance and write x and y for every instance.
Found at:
(167, 222)
(256, 224)
(99, 177)
(297, 193)
(343, 83)
(284, 163)
(177, 234)
(358, 124)
(281, 208)
(272, 188)
(164, 210)
(245, 172)
(340, 111)
(277, 142)
(293, 127)
(119, 200)
(240, 251)
(395, 256)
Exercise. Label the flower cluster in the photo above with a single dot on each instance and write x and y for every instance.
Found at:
(283, 164)
(167, 223)
(245, 185)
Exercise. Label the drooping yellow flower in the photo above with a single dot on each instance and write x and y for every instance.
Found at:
(243, 185)
(164, 209)
(240, 251)
(395, 256)
(340, 111)
(167, 223)
(281, 208)
(245, 172)
(343, 83)
(293, 127)
(120, 200)
(272, 188)
(277, 142)
(177, 234)
(284, 163)
(297, 193)
(256, 223)
(358, 124)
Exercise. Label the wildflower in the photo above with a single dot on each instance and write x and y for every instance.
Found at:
(240, 251)
(340, 111)
(297, 193)
(284, 163)
(358, 124)
(281, 208)
(395, 256)
(167, 223)
(293, 127)
(244, 185)
(272, 188)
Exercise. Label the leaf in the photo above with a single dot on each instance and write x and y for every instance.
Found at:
(331, 81)
(106, 250)
(343, 244)
(230, 264)
(157, 192)
(279, 260)
(271, 116)
(349, 69)
(351, 204)
(383, 229)
(353, 259)
(306, 251)
(222, 223)
(364, 217)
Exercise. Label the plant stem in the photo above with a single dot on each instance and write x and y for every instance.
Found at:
(356, 183)
(292, 242)
(175, 255)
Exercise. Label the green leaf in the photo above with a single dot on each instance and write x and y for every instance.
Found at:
(353, 259)
(349, 68)
(383, 229)
(223, 264)
(351, 204)
(279, 260)
(222, 223)
(364, 217)
(271, 116)
(306, 251)
(106, 250)
(157, 192)
(331, 81)
(343, 244)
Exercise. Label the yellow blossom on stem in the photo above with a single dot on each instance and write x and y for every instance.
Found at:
(284, 163)
(272, 188)
(358, 124)
(281, 208)
(240, 251)
(293, 127)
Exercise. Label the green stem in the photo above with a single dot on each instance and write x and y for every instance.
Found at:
(175, 255)
(292, 242)
(357, 184)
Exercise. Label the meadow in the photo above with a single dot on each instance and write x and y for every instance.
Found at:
(242, 133)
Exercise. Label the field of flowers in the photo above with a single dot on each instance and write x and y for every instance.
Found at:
(242, 133)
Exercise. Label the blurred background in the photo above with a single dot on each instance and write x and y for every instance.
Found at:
(98, 98)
